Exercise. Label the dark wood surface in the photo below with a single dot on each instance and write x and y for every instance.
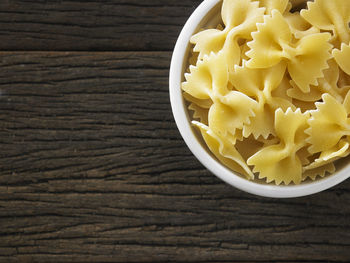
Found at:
(113, 25)
(92, 167)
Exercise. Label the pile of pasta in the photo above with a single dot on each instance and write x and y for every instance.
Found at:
(269, 88)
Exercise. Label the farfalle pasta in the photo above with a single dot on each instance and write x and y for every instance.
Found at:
(273, 43)
(280, 162)
(330, 16)
(269, 88)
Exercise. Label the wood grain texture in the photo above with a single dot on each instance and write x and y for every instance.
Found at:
(93, 169)
(150, 25)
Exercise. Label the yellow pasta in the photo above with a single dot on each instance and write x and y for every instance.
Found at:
(207, 78)
(280, 162)
(269, 90)
(299, 26)
(224, 151)
(199, 113)
(342, 57)
(206, 103)
(280, 5)
(342, 149)
(330, 15)
(239, 17)
(328, 124)
(319, 172)
(231, 112)
(260, 84)
(327, 84)
(273, 43)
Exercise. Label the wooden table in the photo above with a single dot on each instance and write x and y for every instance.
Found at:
(92, 166)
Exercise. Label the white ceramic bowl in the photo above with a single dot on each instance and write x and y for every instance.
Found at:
(208, 13)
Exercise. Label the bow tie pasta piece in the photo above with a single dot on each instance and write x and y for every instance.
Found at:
(267, 46)
(342, 149)
(207, 41)
(342, 57)
(310, 60)
(280, 162)
(330, 15)
(261, 124)
(327, 84)
(224, 151)
(280, 5)
(328, 124)
(231, 112)
(228, 50)
(259, 84)
(242, 16)
(319, 171)
(325, 162)
(273, 43)
(207, 78)
(238, 15)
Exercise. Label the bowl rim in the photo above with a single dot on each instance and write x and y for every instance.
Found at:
(180, 112)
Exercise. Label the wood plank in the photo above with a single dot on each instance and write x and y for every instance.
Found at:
(92, 25)
(92, 168)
